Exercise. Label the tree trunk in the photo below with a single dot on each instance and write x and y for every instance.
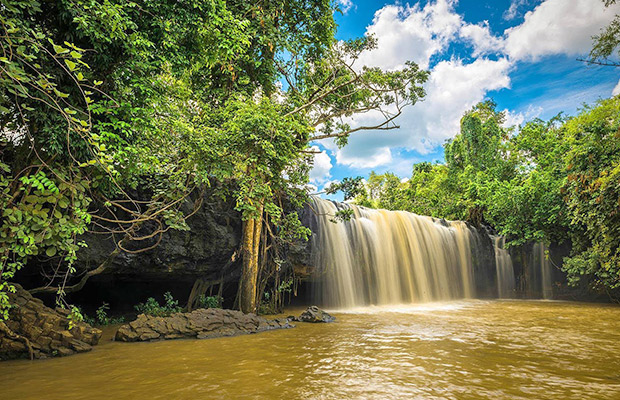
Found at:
(249, 249)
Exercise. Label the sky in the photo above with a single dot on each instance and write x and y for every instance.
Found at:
(523, 54)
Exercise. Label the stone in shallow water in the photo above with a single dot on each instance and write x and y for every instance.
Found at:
(202, 324)
(314, 314)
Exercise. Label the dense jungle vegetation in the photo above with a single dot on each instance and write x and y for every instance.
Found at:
(114, 113)
(545, 181)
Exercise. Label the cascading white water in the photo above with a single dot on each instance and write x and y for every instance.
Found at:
(505, 270)
(544, 268)
(390, 257)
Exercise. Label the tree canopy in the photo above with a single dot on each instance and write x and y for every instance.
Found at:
(113, 113)
(547, 181)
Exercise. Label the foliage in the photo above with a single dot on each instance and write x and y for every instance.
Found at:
(102, 318)
(269, 304)
(592, 194)
(350, 187)
(113, 113)
(43, 183)
(75, 317)
(152, 306)
(550, 181)
(210, 301)
(606, 44)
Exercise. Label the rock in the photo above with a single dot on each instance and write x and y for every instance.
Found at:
(314, 314)
(214, 235)
(202, 324)
(36, 331)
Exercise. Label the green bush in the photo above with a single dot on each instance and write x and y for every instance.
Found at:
(152, 307)
(101, 317)
(210, 301)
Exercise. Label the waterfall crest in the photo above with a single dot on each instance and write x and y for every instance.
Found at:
(390, 257)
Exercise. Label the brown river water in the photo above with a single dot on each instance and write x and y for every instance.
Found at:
(455, 350)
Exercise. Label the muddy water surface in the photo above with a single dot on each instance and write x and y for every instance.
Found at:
(456, 350)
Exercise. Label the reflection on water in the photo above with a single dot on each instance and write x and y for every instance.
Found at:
(461, 350)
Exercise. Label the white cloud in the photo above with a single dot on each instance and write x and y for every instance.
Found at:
(453, 88)
(421, 33)
(415, 33)
(514, 9)
(411, 33)
(616, 90)
(516, 119)
(345, 5)
(480, 36)
(364, 156)
(558, 27)
(321, 168)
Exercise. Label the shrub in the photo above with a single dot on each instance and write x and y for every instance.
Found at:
(210, 301)
(101, 317)
(152, 307)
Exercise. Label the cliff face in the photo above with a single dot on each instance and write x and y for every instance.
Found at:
(485, 271)
(213, 236)
(180, 258)
(204, 251)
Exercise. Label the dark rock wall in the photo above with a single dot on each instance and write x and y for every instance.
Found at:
(485, 271)
(180, 258)
(213, 236)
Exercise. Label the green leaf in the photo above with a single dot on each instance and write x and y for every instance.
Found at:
(70, 64)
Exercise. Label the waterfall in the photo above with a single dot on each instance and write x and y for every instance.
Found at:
(544, 269)
(389, 257)
(505, 271)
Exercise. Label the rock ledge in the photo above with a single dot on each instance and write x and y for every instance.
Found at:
(200, 324)
(36, 331)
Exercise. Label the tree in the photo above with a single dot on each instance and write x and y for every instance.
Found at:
(195, 92)
(592, 195)
(321, 94)
(605, 44)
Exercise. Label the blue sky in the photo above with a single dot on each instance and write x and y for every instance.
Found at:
(520, 53)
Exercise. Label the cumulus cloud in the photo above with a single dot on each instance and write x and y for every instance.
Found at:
(345, 5)
(518, 118)
(616, 90)
(558, 27)
(322, 165)
(453, 88)
(481, 38)
(422, 33)
(514, 9)
(418, 33)
(411, 33)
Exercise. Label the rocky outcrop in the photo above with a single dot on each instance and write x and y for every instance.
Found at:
(201, 324)
(36, 331)
(213, 236)
(314, 314)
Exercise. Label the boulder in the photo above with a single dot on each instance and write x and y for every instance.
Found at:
(36, 331)
(201, 324)
(314, 314)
